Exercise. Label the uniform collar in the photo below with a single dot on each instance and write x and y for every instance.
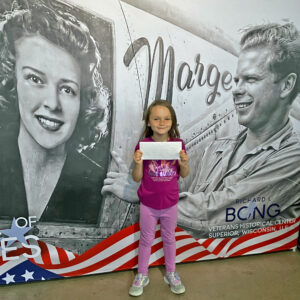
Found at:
(273, 142)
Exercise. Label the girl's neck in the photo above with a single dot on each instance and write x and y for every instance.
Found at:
(160, 138)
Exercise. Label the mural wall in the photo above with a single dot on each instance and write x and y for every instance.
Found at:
(75, 80)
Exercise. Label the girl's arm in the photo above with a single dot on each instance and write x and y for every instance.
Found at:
(137, 172)
(183, 164)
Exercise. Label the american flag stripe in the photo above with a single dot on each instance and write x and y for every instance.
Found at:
(100, 266)
(291, 245)
(219, 246)
(127, 256)
(37, 259)
(70, 255)
(269, 244)
(188, 254)
(202, 255)
(120, 251)
(226, 248)
(64, 255)
(110, 257)
(45, 253)
(264, 233)
(187, 248)
(122, 239)
(256, 240)
(115, 261)
(132, 263)
(99, 261)
(53, 254)
(215, 246)
(155, 258)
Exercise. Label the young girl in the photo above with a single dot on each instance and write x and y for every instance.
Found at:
(158, 194)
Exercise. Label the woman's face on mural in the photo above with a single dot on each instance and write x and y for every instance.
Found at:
(48, 86)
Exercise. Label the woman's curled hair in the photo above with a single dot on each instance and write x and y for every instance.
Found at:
(64, 30)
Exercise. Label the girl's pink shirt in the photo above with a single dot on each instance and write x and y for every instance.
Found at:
(159, 187)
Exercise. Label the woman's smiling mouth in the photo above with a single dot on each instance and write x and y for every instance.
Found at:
(49, 124)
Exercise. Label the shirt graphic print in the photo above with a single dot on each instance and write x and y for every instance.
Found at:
(162, 170)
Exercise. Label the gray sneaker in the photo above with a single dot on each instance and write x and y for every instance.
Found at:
(174, 281)
(139, 282)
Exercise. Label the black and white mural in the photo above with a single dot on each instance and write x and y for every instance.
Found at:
(75, 80)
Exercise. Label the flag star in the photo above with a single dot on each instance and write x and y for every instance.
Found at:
(43, 278)
(28, 275)
(9, 278)
(16, 232)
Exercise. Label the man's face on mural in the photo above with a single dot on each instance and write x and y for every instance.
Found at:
(256, 96)
(48, 86)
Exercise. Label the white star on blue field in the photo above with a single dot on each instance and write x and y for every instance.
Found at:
(25, 272)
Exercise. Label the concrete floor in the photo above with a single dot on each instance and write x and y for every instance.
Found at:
(262, 277)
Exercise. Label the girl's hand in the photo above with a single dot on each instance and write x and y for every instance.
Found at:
(183, 158)
(183, 164)
(137, 157)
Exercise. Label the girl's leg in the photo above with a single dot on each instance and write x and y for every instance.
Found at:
(168, 221)
(148, 222)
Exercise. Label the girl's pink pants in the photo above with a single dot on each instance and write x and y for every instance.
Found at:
(148, 221)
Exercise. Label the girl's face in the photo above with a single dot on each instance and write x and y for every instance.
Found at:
(160, 121)
(48, 86)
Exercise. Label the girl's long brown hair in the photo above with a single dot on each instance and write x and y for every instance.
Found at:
(173, 132)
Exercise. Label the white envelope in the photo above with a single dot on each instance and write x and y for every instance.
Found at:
(160, 150)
